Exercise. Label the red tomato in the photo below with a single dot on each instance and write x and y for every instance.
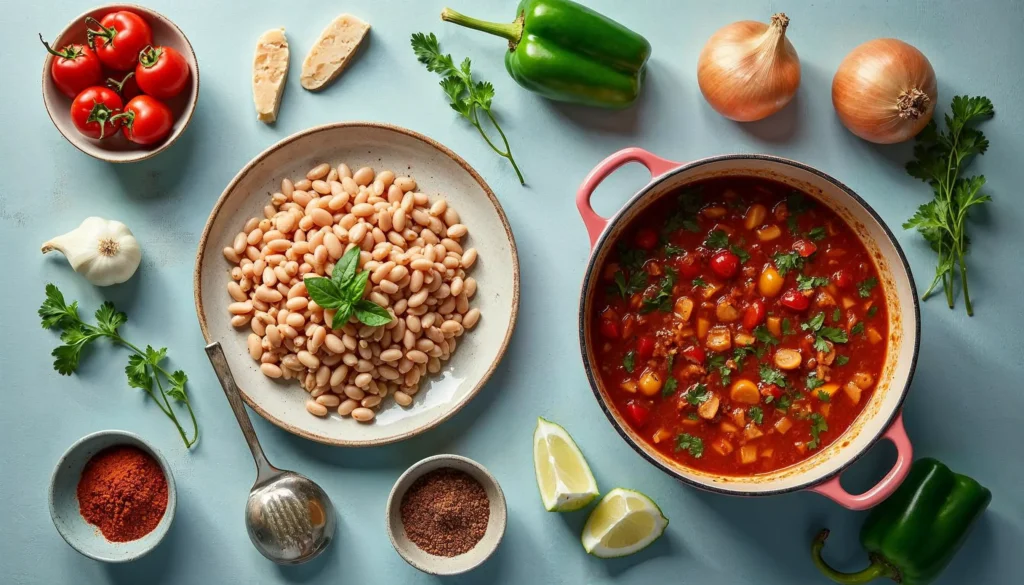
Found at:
(609, 329)
(689, 266)
(725, 264)
(794, 300)
(94, 112)
(162, 72)
(804, 248)
(754, 314)
(695, 354)
(74, 68)
(119, 37)
(843, 279)
(646, 239)
(126, 87)
(645, 347)
(771, 390)
(146, 120)
(638, 414)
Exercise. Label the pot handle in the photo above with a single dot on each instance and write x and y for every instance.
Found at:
(594, 223)
(897, 434)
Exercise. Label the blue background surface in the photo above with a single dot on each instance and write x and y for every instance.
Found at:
(965, 406)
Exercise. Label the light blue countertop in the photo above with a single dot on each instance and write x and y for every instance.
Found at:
(965, 407)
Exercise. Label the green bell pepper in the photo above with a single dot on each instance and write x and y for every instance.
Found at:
(568, 52)
(913, 535)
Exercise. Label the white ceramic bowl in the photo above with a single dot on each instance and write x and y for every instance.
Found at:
(118, 149)
(64, 507)
(881, 417)
(469, 560)
(437, 170)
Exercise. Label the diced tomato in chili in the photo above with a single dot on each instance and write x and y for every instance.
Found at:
(688, 346)
(725, 264)
(754, 314)
(795, 300)
(804, 248)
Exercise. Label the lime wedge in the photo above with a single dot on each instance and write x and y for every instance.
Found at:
(624, 522)
(563, 476)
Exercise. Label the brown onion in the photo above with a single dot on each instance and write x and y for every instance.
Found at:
(885, 91)
(748, 70)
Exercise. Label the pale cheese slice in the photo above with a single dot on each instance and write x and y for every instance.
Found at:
(332, 51)
(269, 72)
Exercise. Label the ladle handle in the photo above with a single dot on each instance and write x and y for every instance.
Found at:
(220, 366)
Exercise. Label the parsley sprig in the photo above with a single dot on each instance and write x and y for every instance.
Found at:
(344, 291)
(688, 442)
(818, 426)
(468, 97)
(143, 370)
(939, 159)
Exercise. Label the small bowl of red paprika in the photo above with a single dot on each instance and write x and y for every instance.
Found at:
(112, 496)
(120, 82)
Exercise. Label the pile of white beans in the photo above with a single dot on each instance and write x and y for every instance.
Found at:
(412, 249)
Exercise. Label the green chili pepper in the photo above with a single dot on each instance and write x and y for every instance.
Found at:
(913, 535)
(568, 52)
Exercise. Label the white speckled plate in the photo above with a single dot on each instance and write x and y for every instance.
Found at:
(437, 171)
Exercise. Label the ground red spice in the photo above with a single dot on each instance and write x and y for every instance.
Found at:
(445, 512)
(123, 492)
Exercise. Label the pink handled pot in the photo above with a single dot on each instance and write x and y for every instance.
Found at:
(882, 416)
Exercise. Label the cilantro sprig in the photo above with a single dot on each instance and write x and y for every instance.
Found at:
(344, 291)
(688, 442)
(823, 333)
(939, 159)
(143, 371)
(818, 426)
(468, 97)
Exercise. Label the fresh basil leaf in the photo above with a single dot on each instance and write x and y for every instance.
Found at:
(346, 267)
(341, 316)
(356, 288)
(325, 292)
(372, 314)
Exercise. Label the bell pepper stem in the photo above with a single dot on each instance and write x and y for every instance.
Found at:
(512, 31)
(878, 567)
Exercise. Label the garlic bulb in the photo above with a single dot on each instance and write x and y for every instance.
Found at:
(103, 251)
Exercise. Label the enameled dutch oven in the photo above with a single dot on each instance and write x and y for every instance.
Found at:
(882, 416)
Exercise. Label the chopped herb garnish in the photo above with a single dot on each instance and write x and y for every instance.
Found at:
(784, 402)
(756, 414)
(817, 234)
(842, 360)
(809, 282)
(629, 361)
(628, 287)
(792, 225)
(742, 254)
(662, 299)
(813, 381)
(692, 416)
(787, 329)
(858, 328)
(787, 261)
(688, 442)
(700, 282)
(822, 334)
(697, 394)
(762, 334)
(632, 259)
(815, 323)
(864, 288)
(824, 396)
(671, 384)
(770, 375)
(836, 314)
(717, 239)
(739, 354)
(673, 250)
(717, 362)
(834, 334)
(872, 311)
(818, 426)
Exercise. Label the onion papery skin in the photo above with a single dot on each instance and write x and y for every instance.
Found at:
(749, 70)
(867, 87)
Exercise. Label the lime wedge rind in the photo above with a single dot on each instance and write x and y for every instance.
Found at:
(564, 479)
(624, 522)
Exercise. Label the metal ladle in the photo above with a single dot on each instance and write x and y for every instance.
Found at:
(289, 518)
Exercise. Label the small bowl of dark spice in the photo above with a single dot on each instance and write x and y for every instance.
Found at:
(446, 515)
(112, 496)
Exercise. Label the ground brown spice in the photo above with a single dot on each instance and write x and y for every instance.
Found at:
(445, 512)
(123, 492)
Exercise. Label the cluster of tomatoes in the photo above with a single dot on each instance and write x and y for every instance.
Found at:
(120, 45)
